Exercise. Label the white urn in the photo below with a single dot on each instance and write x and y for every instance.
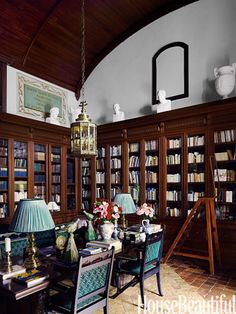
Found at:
(106, 230)
(225, 79)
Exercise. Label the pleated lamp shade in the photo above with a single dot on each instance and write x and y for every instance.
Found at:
(31, 215)
(125, 201)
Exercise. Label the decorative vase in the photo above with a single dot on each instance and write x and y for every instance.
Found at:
(90, 234)
(225, 79)
(106, 230)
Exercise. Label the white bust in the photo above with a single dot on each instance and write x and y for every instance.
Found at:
(118, 115)
(165, 104)
(53, 118)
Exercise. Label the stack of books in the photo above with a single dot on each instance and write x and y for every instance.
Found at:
(106, 244)
(16, 269)
(91, 250)
(31, 278)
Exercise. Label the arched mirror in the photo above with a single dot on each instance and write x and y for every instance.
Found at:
(170, 71)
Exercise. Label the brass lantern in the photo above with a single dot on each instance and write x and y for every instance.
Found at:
(83, 135)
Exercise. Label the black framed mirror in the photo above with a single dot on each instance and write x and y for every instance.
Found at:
(170, 71)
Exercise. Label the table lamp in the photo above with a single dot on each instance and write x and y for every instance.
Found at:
(52, 206)
(125, 201)
(31, 215)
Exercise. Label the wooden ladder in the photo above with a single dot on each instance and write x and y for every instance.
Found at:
(209, 203)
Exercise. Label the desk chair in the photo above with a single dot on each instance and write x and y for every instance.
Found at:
(91, 289)
(142, 267)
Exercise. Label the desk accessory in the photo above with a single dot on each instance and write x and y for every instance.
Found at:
(31, 215)
(31, 278)
(91, 250)
(15, 270)
(107, 244)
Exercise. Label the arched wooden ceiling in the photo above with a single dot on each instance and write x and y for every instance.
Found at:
(43, 37)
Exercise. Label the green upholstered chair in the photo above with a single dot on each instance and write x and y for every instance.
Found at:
(91, 289)
(146, 264)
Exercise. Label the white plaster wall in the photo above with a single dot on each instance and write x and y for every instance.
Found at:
(125, 75)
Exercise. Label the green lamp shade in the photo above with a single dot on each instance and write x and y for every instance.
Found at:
(31, 215)
(126, 202)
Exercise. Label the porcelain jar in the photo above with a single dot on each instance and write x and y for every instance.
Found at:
(225, 80)
(106, 229)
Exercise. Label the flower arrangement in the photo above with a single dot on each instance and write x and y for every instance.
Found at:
(107, 211)
(146, 211)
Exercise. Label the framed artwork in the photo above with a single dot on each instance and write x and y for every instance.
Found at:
(170, 71)
(36, 98)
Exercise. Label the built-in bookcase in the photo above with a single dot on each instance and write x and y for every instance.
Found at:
(174, 177)
(196, 175)
(116, 169)
(225, 173)
(152, 174)
(56, 159)
(20, 171)
(3, 178)
(134, 171)
(101, 173)
(86, 184)
(71, 182)
(40, 170)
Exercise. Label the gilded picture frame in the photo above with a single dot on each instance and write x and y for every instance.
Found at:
(36, 98)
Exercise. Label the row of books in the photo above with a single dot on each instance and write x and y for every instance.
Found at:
(115, 163)
(225, 136)
(134, 177)
(56, 178)
(116, 177)
(87, 180)
(20, 172)
(3, 162)
(173, 159)
(134, 148)
(115, 150)
(228, 196)
(39, 189)
(39, 178)
(151, 161)
(114, 191)
(227, 155)
(20, 185)
(86, 193)
(56, 168)
(20, 163)
(85, 171)
(193, 196)
(134, 191)
(20, 195)
(100, 177)
(39, 148)
(174, 143)
(151, 145)
(100, 164)
(151, 194)
(20, 150)
(3, 211)
(101, 152)
(56, 188)
(3, 142)
(70, 189)
(134, 161)
(224, 175)
(3, 197)
(100, 192)
(39, 156)
(85, 205)
(3, 172)
(39, 167)
(173, 195)
(172, 212)
(195, 141)
(195, 157)
(3, 185)
(151, 177)
(223, 212)
(174, 178)
(196, 177)
(55, 158)
(3, 151)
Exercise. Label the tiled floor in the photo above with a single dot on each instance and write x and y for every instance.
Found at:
(197, 275)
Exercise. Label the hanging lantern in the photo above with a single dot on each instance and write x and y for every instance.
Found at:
(83, 135)
(83, 131)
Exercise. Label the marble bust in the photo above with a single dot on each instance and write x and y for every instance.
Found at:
(53, 118)
(118, 115)
(164, 104)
